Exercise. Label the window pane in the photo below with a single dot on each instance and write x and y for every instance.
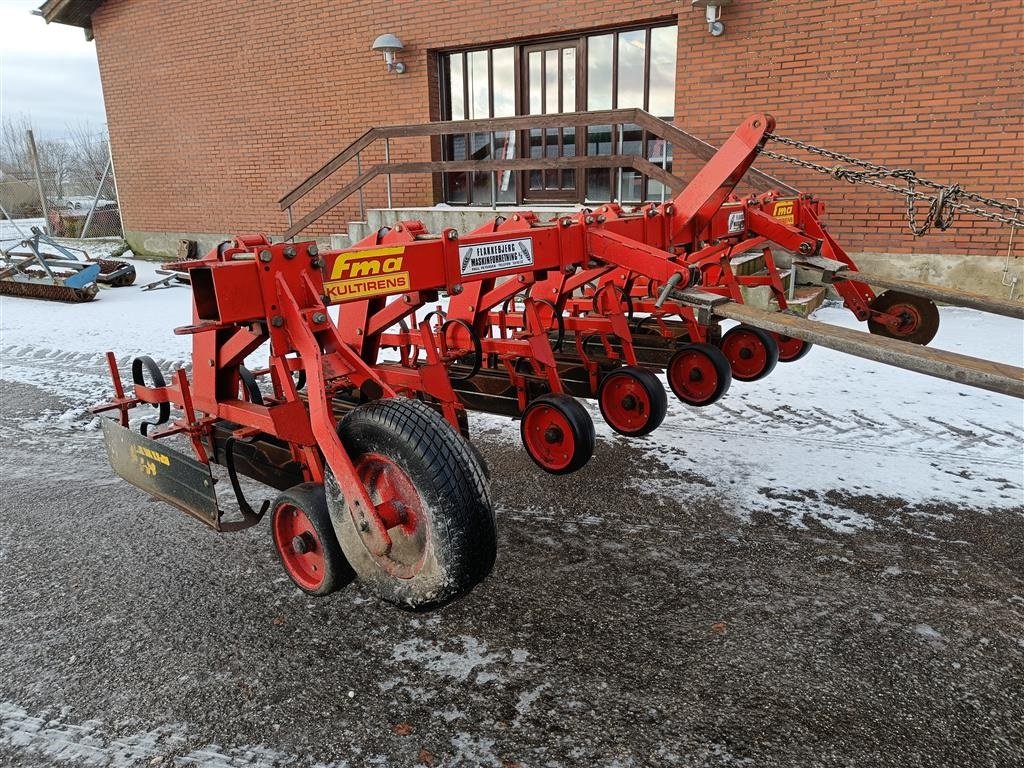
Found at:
(631, 69)
(536, 150)
(457, 95)
(568, 142)
(630, 181)
(534, 84)
(599, 72)
(598, 185)
(505, 149)
(457, 184)
(479, 95)
(481, 146)
(503, 63)
(568, 79)
(550, 82)
(662, 87)
(659, 152)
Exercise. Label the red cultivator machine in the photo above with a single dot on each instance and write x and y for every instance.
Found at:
(361, 421)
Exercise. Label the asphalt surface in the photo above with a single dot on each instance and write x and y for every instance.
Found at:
(621, 627)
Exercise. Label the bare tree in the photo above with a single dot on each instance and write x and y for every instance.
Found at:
(70, 166)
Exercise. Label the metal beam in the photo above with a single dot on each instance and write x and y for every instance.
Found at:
(962, 369)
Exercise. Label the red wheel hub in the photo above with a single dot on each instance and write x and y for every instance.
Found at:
(789, 348)
(746, 353)
(301, 550)
(398, 506)
(906, 319)
(625, 403)
(693, 374)
(548, 436)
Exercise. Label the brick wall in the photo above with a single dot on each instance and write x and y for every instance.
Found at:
(216, 108)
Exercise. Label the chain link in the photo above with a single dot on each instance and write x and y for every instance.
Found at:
(943, 204)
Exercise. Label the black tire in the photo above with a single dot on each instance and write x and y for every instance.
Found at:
(576, 433)
(640, 404)
(449, 487)
(699, 374)
(757, 366)
(921, 317)
(309, 501)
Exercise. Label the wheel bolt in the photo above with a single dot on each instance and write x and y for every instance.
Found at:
(303, 543)
(552, 435)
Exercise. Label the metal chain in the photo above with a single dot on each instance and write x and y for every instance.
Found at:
(943, 205)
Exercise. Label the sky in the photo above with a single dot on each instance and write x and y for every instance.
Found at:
(48, 71)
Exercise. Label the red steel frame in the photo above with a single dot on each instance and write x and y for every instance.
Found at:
(253, 292)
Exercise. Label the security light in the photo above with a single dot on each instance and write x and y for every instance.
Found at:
(712, 14)
(390, 45)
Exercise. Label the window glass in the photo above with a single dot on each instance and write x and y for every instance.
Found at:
(551, 82)
(568, 79)
(536, 65)
(503, 67)
(622, 69)
(661, 89)
(599, 72)
(457, 95)
(505, 149)
(479, 90)
(632, 54)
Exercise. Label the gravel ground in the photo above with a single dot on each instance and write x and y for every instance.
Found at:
(621, 627)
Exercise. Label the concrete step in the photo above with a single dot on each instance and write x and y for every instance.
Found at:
(748, 263)
(806, 299)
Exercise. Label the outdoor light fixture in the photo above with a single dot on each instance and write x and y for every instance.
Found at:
(712, 14)
(390, 45)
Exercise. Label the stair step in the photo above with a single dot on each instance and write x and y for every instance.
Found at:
(805, 300)
(748, 263)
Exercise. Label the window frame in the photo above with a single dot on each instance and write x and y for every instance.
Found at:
(520, 76)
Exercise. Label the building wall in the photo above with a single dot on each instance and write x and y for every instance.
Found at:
(217, 108)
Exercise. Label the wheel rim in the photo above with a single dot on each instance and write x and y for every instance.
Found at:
(625, 403)
(746, 353)
(789, 348)
(398, 506)
(909, 319)
(300, 547)
(549, 437)
(693, 376)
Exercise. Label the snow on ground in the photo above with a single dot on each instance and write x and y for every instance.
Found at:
(828, 423)
(833, 422)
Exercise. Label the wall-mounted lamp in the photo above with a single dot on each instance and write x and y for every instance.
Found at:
(712, 14)
(390, 45)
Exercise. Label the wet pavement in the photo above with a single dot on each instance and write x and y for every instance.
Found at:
(632, 619)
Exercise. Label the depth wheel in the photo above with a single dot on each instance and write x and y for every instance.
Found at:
(790, 349)
(699, 374)
(305, 542)
(558, 433)
(752, 352)
(632, 401)
(430, 493)
(918, 317)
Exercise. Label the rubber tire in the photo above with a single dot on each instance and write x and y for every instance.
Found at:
(929, 317)
(580, 422)
(722, 369)
(655, 394)
(770, 346)
(798, 356)
(462, 534)
(311, 499)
